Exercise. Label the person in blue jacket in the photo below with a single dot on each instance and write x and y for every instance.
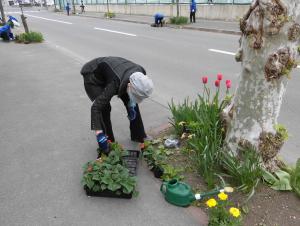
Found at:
(158, 19)
(68, 8)
(193, 9)
(5, 32)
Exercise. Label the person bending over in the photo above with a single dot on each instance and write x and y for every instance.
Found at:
(105, 77)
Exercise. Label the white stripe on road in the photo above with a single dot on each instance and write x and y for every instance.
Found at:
(221, 51)
(118, 32)
(16, 12)
(43, 18)
(229, 53)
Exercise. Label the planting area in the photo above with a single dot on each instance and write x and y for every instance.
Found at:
(192, 150)
(267, 207)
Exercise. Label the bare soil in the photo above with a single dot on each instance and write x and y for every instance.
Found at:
(266, 208)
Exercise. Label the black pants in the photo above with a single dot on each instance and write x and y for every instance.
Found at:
(137, 131)
(193, 17)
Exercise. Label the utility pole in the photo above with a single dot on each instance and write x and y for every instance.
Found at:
(23, 18)
(2, 12)
(107, 9)
(74, 10)
(177, 4)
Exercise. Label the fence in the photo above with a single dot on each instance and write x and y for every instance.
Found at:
(95, 2)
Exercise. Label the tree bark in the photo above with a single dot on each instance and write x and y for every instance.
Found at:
(269, 47)
(2, 12)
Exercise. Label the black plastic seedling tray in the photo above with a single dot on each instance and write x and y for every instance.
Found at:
(106, 193)
(131, 162)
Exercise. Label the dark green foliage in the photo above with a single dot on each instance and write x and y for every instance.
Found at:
(295, 178)
(109, 15)
(202, 118)
(243, 170)
(30, 37)
(109, 174)
(179, 20)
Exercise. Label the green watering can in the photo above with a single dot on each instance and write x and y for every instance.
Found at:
(180, 194)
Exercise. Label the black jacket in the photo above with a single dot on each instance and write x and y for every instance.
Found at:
(111, 75)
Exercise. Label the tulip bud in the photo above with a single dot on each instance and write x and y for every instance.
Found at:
(204, 79)
(220, 76)
(217, 83)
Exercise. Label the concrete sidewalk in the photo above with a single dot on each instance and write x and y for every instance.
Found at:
(201, 24)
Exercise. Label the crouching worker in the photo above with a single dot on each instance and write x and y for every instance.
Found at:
(5, 33)
(105, 77)
(158, 20)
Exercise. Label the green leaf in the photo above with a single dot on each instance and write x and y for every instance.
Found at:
(283, 184)
(113, 186)
(96, 177)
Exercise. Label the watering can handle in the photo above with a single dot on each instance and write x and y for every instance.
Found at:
(163, 188)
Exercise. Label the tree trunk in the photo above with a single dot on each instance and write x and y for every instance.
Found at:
(2, 12)
(269, 47)
(177, 7)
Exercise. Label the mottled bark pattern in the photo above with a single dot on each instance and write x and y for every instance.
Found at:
(279, 64)
(268, 51)
(294, 32)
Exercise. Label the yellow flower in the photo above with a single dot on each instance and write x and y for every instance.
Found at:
(211, 203)
(191, 136)
(181, 123)
(222, 196)
(234, 212)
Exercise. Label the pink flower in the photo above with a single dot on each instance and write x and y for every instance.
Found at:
(220, 76)
(217, 83)
(228, 84)
(204, 79)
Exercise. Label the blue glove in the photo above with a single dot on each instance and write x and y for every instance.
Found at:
(131, 113)
(102, 142)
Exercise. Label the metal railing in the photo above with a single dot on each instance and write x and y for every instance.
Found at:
(94, 2)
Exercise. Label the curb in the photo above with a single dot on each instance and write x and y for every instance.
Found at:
(172, 26)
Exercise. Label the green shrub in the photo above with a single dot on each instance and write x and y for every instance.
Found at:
(179, 20)
(244, 170)
(30, 37)
(109, 15)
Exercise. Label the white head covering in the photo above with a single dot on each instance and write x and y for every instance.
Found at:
(141, 86)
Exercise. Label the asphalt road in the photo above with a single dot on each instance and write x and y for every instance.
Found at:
(45, 132)
(176, 59)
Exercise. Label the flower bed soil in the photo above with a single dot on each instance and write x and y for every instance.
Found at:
(266, 208)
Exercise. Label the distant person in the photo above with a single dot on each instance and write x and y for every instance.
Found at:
(193, 9)
(5, 33)
(82, 7)
(210, 1)
(68, 8)
(158, 19)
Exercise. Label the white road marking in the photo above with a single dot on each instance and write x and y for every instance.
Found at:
(43, 18)
(229, 53)
(221, 51)
(30, 11)
(118, 32)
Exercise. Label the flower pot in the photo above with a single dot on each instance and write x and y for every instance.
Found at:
(158, 171)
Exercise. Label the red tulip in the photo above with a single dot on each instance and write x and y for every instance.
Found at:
(228, 84)
(220, 76)
(217, 83)
(204, 79)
